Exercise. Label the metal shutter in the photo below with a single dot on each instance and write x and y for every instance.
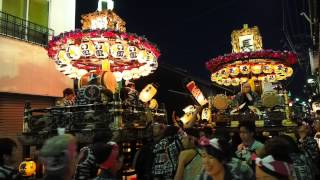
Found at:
(12, 111)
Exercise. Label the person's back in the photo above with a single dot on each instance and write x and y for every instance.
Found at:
(302, 166)
(59, 156)
(143, 162)
(87, 166)
(166, 153)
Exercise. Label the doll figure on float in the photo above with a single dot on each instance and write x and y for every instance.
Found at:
(247, 100)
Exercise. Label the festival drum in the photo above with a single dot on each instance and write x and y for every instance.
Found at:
(221, 102)
(270, 99)
(105, 79)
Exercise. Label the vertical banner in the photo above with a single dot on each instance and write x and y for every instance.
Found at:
(196, 92)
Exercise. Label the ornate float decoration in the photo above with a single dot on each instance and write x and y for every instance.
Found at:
(103, 41)
(249, 61)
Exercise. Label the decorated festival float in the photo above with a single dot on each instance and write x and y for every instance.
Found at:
(257, 73)
(101, 58)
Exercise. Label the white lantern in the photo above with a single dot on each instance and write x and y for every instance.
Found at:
(142, 56)
(135, 73)
(102, 49)
(132, 53)
(189, 109)
(87, 49)
(147, 93)
(118, 76)
(117, 50)
(73, 52)
(126, 75)
(144, 70)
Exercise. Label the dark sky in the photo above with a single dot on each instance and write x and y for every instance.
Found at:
(189, 33)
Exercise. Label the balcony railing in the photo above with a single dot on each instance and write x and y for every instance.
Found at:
(16, 27)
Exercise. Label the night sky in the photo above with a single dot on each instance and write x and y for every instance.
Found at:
(189, 33)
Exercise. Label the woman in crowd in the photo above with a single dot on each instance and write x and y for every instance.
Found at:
(109, 159)
(219, 162)
(189, 162)
(275, 162)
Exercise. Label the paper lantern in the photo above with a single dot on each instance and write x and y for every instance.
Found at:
(144, 70)
(132, 53)
(118, 76)
(281, 76)
(186, 118)
(87, 49)
(289, 72)
(196, 93)
(142, 56)
(153, 104)
(206, 113)
(27, 168)
(73, 52)
(62, 57)
(254, 78)
(213, 77)
(244, 68)
(227, 82)
(150, 56)
(127, 75)
(189, 109)
(102, 49)
(235, 81)
(234, 71)
(117, 50)
(256, 69)
(135, 73)
(219, 81)
(147, 93)
(81, 72)
(262, 78)
(271, 78)
(243, 79)
(224, 73)
(267, 68)
(279, 68)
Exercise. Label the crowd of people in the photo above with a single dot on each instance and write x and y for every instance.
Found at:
(179, 152)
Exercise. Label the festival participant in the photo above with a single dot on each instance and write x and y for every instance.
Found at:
(69, 97)
(59, 157)
(275, 163)
(307, 143)
(109, 159)
(317, 134)
(160, 157)
(219, 162)
(87, 167)
(249, 144)
(189, 163)
(129, 94)
(8, 159)
(302, 165)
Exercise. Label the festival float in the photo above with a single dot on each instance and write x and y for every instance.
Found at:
(258, 72)
(100, 58)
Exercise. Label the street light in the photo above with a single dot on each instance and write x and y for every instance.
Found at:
(297, 99)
